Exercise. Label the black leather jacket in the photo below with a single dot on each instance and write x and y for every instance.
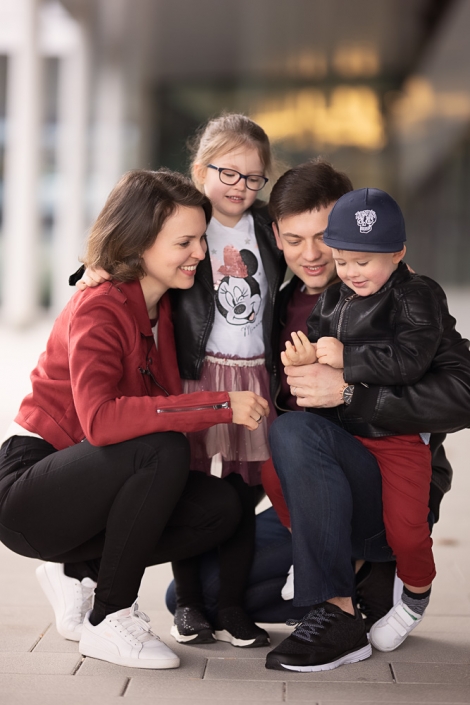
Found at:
(409, 364)
(193, 309)
(439, 402)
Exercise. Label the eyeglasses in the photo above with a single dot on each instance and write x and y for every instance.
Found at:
(230, 177)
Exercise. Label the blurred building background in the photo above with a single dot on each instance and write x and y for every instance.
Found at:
(91, 88)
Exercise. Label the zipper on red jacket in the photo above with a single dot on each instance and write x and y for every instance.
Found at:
(223, 405)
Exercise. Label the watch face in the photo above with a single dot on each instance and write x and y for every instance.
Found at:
(348, 394)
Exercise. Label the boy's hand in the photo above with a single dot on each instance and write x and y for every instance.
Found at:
(92, 277)
(301, 352)
(330, 352)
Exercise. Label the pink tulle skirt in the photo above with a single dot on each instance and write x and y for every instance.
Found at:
(242, 451)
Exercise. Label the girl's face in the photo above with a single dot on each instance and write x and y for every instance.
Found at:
(170, 263)
(230, 202)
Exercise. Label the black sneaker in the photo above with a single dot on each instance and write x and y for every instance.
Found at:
(374, 592)
(326, 638)
(192, 627)
(234, 626)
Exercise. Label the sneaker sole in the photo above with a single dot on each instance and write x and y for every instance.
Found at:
(353, 657)
(56, 601)
(224, 635)
(154, 664)
(205, 636)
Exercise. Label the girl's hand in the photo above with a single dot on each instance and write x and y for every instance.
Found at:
(330, 352)
(248, 409)
(92, 277)
(301, 352)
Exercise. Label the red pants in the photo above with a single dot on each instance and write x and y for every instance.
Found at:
(405, 466)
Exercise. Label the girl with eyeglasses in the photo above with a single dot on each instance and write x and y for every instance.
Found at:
(231, 320)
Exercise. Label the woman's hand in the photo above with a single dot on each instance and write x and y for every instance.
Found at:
(92, 277)
(248, 409)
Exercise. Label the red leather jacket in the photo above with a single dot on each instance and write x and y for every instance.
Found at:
(103, 379)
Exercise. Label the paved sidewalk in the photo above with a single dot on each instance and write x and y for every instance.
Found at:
(37, 667)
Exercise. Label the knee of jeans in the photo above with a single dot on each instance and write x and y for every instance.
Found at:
(285, 429)
(172, 452)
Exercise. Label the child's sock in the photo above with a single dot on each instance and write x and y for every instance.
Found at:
(417, 602)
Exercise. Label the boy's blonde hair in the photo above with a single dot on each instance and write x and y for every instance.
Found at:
(222, 134)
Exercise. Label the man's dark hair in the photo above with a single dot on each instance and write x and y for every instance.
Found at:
(307, 187)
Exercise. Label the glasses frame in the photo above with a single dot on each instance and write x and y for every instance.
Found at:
(220, 169)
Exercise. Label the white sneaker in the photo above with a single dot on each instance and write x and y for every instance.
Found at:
(287, 592)
(391, 631)
(125, 638)
(70, 598)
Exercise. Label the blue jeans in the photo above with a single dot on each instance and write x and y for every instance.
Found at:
(272, 560)
(333, 488)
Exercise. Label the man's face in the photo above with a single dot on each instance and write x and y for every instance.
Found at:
(300, 237)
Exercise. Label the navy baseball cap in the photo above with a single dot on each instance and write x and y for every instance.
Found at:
(366, 220)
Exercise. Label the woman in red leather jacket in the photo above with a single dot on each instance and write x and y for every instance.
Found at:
(94, 471)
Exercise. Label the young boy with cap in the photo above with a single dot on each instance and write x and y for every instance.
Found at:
(382, 325)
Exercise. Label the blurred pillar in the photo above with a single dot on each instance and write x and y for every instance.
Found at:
(22, 157)
(108, 134)
(70, 219)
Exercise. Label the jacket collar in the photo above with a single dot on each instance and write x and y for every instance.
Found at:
(132, 291)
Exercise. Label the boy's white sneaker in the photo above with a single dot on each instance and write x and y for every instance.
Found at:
(287, 592)
(391, 631)
(125, 638)
(70, 598)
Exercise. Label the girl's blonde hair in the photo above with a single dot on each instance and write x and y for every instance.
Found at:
(222, 134)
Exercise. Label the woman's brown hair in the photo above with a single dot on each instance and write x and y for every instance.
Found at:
(132, 217)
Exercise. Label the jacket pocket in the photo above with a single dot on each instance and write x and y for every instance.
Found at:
(376, 549)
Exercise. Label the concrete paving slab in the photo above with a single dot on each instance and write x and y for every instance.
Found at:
(252, 669)
(53, 643)
(192, 666)
(430, 648)
(11, 685)
(19, 637)
(45, 664)
(377, 693)
(228, 690)
(443, 624)
(455, 674)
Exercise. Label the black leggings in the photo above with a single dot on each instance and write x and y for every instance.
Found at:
(132, 504)
(235, 556)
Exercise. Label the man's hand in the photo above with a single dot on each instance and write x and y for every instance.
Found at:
(330, 351)
(318, 386)
(92, 277)
(301, 352)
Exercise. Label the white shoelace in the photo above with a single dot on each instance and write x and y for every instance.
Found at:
(137, 625)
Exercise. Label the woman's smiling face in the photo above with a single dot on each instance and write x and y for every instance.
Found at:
(170, 263)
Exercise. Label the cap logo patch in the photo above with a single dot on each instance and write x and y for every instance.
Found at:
(365, 220)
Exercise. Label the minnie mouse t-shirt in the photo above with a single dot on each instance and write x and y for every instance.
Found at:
(240, 289)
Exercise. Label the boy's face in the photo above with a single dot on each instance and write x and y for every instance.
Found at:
(300, 237)
(366, 272)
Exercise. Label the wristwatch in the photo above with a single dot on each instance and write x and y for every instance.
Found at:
(347, 393)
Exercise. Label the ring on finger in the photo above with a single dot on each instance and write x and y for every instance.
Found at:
(292, 389)
(259, 420)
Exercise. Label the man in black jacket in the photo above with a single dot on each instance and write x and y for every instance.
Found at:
(328, 636)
